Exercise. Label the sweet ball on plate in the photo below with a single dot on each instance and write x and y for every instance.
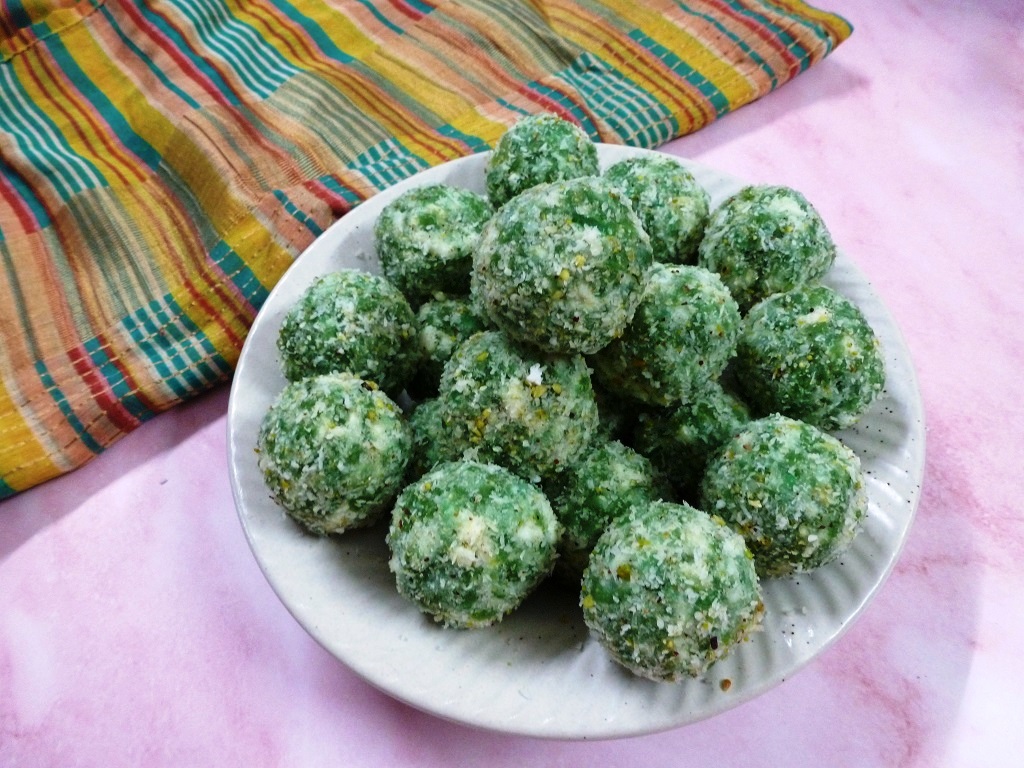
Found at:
(562, 266)
(333, 451)
(680, 440)
(682, 336)
(606, 483)
(503, 403)
(354, 322)
(810, 354)
(538, 149)
(766, 239)
(670, 590)
(469, 541)
(425, 239)
(442, 323)
(795, 493)
(670, 202)
(427, 437)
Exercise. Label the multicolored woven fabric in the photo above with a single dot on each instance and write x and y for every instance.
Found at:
(164, 162)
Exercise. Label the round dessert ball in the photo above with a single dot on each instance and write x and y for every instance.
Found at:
(443, 323)
(537, 150)
(333, 450)
(670, 202)
(794, 492)
(350, 321)
(682, 336)
(470, 541)
(680, 440)
(766, 239)
(562, 266)
(502, 403)
(425, 239)
(608, 482)
(669, 591)
(810, 354)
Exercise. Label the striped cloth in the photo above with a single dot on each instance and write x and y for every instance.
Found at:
(163, 162)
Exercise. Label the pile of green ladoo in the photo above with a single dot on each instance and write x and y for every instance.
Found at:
(602, 379)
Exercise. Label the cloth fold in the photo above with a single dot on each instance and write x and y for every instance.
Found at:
(164, 162)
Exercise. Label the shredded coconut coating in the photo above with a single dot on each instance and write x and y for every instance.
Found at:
(670, 590)
(470, 541)
(526, 411)
(536, 150)
(764, 240)
(670, 202)
(562, 266)
(794, 492)
(809, 354)
(443, 323)
(680, 440)
(350, 321)
(426, 237)
(333, 450)
(682, 336)
(608, 482)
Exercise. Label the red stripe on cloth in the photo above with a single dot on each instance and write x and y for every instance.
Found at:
(100, 391)
(337, 204)
(582, 26)
(84, 113)
(17, 204)
(407, 10)
(193, 73)
(759, 31)
(130, 381)
(547, 102)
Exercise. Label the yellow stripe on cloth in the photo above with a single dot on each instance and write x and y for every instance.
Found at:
(24, 459)
(661, 22)
(163, 164)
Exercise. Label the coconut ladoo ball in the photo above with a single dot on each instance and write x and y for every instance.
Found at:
(536, 150)
(427, 434)
(470, 541)
(562, 266)
(608, 482)
(809, 354)
(764, 240)
(442, 324)
(682, 336)
(679, 441)
(425, 239)
(794, 492)
(670, 202)
(333, 450)
(354, 322)
(670, 590)
(502, 403)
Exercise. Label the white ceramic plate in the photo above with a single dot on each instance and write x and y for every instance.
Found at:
(538, 672)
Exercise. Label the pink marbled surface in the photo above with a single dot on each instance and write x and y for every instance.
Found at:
(136, 628)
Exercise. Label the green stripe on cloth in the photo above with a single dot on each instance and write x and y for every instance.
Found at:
(633, 112)
(162, 164)
(184, 358)
(120, 385)
(60, 399)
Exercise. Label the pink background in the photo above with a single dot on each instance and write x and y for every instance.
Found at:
(136, 628)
